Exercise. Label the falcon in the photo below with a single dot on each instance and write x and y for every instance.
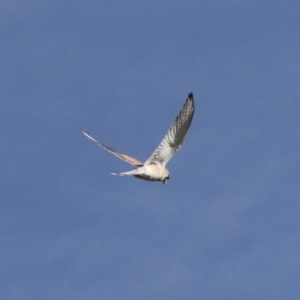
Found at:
(154, 168)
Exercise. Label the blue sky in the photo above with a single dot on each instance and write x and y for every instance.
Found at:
(226, 226)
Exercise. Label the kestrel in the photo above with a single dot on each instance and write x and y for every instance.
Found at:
(154, 168)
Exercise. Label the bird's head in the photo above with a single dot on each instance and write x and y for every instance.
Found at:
(166, 176)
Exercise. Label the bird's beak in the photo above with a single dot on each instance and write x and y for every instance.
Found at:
(165, 181)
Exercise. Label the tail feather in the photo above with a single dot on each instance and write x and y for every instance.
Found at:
(130, 173)
(117, 174)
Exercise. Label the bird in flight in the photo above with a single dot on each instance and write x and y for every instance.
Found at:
(154, 168)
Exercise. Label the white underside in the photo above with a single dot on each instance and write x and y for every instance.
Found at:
(147, 172)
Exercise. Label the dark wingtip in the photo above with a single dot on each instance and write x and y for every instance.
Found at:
(190, 100)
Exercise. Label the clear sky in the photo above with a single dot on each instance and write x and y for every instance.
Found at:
(226, 226)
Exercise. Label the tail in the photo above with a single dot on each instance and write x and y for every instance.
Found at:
(131, 173)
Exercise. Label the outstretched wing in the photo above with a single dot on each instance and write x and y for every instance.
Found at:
(127, 158)
(175, 135)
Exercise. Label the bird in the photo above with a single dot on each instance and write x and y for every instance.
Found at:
(154, 168)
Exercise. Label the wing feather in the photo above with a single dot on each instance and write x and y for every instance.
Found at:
(127, 158)
(175, 135)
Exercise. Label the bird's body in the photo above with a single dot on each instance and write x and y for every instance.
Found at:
(154, 169)
(150, 172)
